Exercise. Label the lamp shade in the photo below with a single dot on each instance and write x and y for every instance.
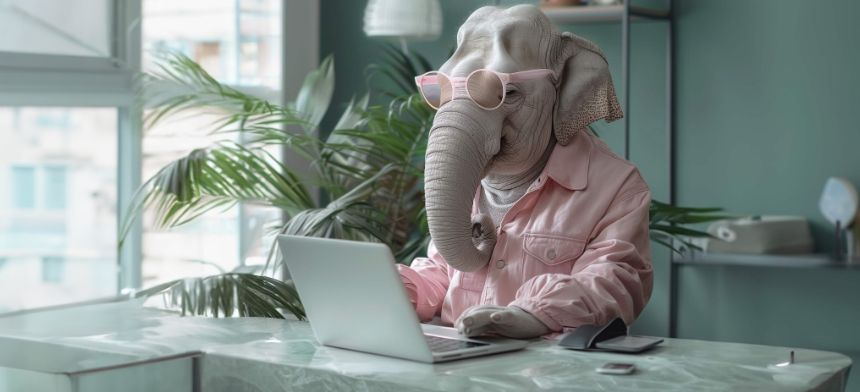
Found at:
(410, 19)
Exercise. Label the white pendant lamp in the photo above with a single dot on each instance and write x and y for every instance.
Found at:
(403, 19)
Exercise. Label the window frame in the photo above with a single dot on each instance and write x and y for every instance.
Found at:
(37, 79)
(51, 80)
(58, 62)
(64, 62)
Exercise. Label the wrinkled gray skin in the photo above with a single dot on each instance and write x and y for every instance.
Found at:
(506, 147)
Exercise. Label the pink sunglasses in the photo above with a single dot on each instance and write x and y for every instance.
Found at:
(485, 87)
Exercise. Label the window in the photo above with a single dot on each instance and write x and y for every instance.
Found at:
(55, 187)
(50, 195)
(58, 239)
(23, 187)
(66, 112)
(71, 149)
(52, 269)
(238, 42)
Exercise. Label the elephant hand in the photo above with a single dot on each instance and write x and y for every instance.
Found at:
(509, 321)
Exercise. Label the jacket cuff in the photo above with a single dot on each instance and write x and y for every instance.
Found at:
(532, 308)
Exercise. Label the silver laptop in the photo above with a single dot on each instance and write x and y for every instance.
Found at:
(354, 299)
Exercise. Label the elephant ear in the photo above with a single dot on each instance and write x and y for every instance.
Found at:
(585, 92)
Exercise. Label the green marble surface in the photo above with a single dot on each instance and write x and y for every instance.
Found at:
(254, 354)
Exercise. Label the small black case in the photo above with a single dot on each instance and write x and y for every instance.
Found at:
(585, 336)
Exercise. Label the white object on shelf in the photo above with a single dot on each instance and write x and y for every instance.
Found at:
(838, 201)
(408, 19)
(761, 235)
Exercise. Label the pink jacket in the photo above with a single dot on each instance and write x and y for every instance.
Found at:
(573, 250)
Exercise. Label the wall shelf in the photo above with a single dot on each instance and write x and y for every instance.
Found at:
(600, 14)
(817, 260)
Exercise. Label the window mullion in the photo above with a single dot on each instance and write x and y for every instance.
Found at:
(127, 47)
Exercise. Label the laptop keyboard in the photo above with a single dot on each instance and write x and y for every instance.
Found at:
(440, 344)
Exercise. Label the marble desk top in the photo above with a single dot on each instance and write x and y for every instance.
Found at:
(256, 354)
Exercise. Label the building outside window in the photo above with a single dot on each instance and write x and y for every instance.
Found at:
(58, 209)
(62, 79)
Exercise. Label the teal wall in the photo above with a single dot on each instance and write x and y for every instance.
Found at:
(766, 112)
(765, 107)
(768, 92)
(342, 34)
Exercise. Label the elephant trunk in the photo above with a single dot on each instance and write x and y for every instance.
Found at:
(458, 151)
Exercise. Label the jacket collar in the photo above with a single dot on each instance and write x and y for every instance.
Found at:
(568, 165)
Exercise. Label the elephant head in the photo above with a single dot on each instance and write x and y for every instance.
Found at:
(468, 142)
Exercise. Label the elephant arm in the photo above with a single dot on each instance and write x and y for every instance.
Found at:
(612, 278)
(426, 282)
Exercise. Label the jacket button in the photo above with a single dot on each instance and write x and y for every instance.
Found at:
(500, 264)
(550, 254)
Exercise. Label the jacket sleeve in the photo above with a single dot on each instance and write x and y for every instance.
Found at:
(612, 278)
(426, 282)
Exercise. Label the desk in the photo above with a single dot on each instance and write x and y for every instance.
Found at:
(267, 355)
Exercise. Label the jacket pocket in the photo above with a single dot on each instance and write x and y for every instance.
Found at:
(552, 249)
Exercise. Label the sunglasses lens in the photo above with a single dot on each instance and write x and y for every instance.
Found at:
(486, 89)
(436, 89)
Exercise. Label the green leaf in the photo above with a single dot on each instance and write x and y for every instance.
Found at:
(316, 92)
(677, 230)
(665, 243)
(220, 177)
(352, 115)
(180, 85)
(258, 296)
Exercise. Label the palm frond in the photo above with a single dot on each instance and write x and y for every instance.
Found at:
(418, 243)
(228, 295)
(351, 117)
(180, 85)
(398, 69)
(218, 177)
(665, 220)
(315, 95)
(350, 216)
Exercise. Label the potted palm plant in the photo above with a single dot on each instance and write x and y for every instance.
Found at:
(369, 169)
